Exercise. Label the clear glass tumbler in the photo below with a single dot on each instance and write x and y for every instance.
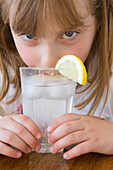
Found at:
(46, 95)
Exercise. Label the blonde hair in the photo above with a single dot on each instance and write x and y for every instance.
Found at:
(30, 15)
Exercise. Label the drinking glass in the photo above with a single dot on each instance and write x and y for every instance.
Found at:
(46, 95)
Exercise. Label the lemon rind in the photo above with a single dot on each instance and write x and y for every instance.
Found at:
(82, 78)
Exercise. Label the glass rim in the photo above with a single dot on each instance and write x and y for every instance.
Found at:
(42, 68)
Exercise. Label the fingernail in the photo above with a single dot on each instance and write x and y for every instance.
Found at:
(37, 148)
(65, 156)
(18, 154)
(49, 129)
(29, 150)
(38, 135)
(49, 141)
(52, 150)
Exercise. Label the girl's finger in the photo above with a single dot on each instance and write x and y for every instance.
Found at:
(10, 138)
(29, 124)
(8, 151)
(73, 138)
(65, 129)
(80, 149)
(20, 131)
(62, 119)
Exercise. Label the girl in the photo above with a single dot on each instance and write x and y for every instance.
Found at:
(37, 33)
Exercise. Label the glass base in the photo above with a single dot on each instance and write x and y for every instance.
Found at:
(45, 148)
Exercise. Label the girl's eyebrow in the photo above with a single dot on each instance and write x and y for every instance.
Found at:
(73, 28)
(58, 31)
(21, 31)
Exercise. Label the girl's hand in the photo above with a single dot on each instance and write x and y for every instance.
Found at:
(20, 132)
(90, 134)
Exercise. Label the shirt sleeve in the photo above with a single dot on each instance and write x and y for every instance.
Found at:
(14, 107)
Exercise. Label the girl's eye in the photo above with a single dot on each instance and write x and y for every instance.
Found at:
(69, 35)
(28, 37)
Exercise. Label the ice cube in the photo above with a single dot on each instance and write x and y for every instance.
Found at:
(31, 89)
(63, 91)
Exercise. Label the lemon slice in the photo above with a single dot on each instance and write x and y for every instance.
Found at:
(72, 67)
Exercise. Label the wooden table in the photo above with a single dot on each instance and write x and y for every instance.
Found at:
(36, 161)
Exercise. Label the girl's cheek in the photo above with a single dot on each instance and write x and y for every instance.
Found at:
(29, 58)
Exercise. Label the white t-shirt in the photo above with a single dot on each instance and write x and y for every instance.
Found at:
(15, 107)
(107, 113)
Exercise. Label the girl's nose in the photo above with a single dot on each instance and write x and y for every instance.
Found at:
(48, 56)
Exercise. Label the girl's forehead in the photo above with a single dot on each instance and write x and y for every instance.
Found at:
(33, 15)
